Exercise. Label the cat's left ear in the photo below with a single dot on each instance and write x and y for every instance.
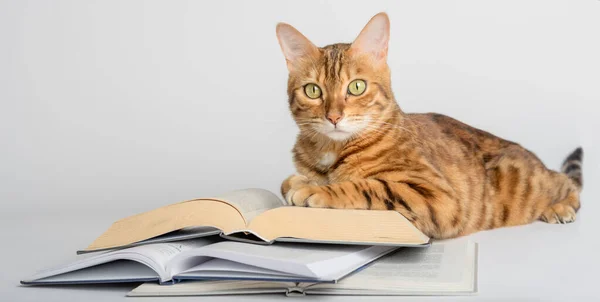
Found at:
(295, 46)
(373, 39)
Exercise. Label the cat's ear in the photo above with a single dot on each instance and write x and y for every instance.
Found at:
(295, 46)
(373, 39)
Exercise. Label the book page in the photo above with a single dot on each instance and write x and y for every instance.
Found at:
(251, 202)
(442, 266)
(162, 253)
(337, 226)
(313, 262)
(192, 213)
(154, 256)
(179, 235)
(201, 288)
(219, 269)
(285, 258)
(228, 267)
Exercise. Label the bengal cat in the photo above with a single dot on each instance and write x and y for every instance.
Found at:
(358, 150)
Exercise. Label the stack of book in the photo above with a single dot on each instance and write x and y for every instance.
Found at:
(249, 242)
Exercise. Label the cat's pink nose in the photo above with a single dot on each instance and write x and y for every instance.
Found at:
(334, 117)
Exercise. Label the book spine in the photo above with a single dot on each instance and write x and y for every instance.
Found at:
(169, 282)
(295, 292)
(245, 240)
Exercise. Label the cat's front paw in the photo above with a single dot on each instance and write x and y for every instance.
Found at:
(311, 196)
(293, 184)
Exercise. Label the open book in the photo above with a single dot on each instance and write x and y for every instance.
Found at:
(259, 216)
(211, 258)
(444, 268)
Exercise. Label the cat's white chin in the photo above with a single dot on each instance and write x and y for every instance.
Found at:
(339, 135)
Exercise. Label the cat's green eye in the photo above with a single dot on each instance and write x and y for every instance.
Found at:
(312, 91)
(357, 87)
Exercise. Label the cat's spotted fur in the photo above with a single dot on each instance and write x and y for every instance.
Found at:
(364, 152)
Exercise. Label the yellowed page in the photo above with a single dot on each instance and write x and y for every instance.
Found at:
(251, 202)
(377, 227)
(197, 212)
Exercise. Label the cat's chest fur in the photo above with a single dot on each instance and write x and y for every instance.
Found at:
(326, 159)
(327, 163)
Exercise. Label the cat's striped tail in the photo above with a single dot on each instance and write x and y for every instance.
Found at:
(572, 167)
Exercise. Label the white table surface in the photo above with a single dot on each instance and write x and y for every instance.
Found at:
(527, 263)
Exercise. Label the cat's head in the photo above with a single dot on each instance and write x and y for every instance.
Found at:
(339, 91)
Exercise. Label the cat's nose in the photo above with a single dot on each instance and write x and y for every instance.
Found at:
(334, 117)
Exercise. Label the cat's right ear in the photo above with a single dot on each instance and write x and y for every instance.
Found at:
(374, 38)
(295, 46)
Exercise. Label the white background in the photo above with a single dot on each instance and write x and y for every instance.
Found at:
(108, 108)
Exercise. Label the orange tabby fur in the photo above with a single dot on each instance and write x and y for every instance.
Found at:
(448, 178)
